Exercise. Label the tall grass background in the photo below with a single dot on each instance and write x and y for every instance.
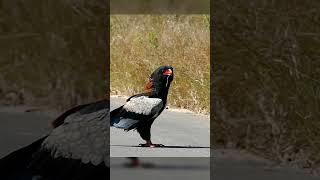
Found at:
(52, 53)
(267, 79)
(141, 43)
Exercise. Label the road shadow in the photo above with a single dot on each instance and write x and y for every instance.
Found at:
(184, 147)
(163, 167)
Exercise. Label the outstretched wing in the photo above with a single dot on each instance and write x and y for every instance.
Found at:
(136, 110)
(60, 120)
(84, 135)
(78, 148)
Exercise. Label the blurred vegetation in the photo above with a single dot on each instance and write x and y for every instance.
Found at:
(141, 43)
(266, 79)
(159, 7)
(52, 52)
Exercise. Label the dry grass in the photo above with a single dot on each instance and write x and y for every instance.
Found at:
(141, 43)
(50, 54)
(267, 79)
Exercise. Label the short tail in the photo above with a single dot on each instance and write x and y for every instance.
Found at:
(126, 124)
(114, 116)
(116, 120)
(15, 164)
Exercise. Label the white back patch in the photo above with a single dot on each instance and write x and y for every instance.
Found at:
(143, 105)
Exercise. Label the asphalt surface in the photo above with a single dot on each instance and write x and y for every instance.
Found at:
(184, 134)
(19, 128)
(161, 169)
(235, 165)
(226, 165)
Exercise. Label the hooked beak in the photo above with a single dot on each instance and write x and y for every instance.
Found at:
(167, 72)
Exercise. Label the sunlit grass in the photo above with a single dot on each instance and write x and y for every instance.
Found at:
(141, 43)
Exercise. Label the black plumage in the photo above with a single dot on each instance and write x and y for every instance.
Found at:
(76, 149)
(140, 110)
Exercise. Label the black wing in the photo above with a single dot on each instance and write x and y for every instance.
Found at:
(77, 149)
(137, 110)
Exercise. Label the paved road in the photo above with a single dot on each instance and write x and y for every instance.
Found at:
(19, 128)
(227, 165)
(183, 133)
(235, 165)
(162, 169)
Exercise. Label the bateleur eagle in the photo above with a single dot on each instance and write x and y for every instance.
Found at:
(76, 149)
(141, 110)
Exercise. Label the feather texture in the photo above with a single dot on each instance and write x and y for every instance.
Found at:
(81, 136)
(78, 148)
(135, 111)
(143, 105)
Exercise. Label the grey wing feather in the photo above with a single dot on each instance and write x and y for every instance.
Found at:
(82, 136)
